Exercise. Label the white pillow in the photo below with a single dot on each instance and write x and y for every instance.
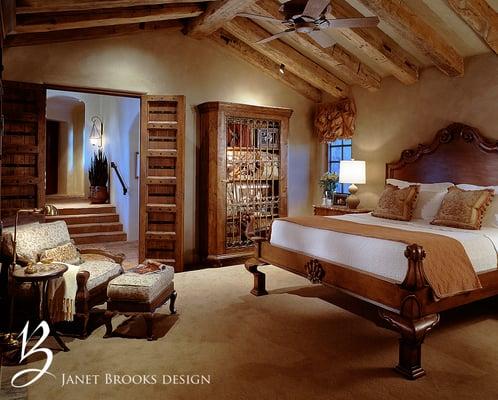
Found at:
(491, 215)
(429, 199)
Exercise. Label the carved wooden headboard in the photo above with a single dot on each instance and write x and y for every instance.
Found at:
(458, 154)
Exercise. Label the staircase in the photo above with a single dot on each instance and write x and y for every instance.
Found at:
(91, 223)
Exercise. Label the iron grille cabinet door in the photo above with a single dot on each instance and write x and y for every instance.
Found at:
(242, 176)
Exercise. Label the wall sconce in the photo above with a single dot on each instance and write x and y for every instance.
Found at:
(97, 132)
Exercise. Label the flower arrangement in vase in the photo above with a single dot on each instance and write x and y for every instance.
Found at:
(328, 184)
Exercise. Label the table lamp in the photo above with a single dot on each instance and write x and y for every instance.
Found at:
(8, 339)
(353, 172)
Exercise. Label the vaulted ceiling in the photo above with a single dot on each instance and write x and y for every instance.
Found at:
(412, 34)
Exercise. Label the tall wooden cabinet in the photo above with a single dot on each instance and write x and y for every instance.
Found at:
(242, 176)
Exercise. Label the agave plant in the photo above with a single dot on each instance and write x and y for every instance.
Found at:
(99, 170)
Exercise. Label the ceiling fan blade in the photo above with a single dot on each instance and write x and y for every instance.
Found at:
(366, 22)
(276, 36)
(314, 8)
(262, 17)
(322, 38)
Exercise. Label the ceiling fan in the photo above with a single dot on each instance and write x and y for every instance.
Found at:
(310, 16)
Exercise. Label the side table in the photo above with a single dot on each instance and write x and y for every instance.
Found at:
(42, 278)
(338, 210)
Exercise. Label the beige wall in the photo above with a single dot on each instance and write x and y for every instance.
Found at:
(166, 63)
(398, 117)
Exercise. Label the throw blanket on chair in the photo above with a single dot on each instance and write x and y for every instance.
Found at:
(447, 267)
(62, 295)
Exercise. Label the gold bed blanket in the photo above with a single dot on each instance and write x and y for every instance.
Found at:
(447, 267)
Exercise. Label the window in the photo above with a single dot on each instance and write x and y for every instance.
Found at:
(337, 151)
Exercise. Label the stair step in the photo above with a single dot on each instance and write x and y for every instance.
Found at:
(87, 238)
(85, 218)
(95, 228)
(107, 209)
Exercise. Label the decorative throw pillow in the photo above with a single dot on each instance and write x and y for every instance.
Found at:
(396, 203)
(490, 218)
(67, 253)
(463, 208)
(429, 198)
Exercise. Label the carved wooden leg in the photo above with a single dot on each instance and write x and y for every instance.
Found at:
(148, 322)
(172, 300)
(259, 278)
(108, 323)
(81, 302)
(413, 332)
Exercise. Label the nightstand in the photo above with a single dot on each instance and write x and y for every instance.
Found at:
(338, 210)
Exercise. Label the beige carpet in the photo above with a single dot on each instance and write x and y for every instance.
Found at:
(288, 345)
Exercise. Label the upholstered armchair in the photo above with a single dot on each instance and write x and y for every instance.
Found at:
(51, 240)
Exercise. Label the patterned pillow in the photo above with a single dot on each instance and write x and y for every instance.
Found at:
(67, 253)
(396, 203)
(463, 208)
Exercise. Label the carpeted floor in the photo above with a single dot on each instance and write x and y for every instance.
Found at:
(288, 345)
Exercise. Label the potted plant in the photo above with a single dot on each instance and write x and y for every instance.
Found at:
(328, 183)
(98, 176)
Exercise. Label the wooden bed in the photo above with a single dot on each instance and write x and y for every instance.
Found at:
(458, 154)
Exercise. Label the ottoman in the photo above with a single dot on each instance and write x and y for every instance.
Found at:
(133, 293)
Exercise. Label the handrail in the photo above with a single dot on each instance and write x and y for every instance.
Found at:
(115, 167)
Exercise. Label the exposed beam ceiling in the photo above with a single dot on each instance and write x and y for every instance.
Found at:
(342, 63)
(260, 61)
(250, 33)
(76, 20)
(30, 39)
(421, 34)
(377, 45)
(480, 17)
(215, 16)
(45, 6)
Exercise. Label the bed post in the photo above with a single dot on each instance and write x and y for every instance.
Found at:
(252, 265)
(410, 323)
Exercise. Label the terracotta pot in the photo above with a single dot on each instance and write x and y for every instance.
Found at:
(98, 194)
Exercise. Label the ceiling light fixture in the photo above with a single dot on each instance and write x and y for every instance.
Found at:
(282, 69)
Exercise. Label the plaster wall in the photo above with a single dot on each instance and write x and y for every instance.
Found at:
(399, 117)
(171, 63)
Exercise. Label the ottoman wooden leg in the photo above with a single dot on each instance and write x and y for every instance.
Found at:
(148, 322)
(108, 323)
(172, 300)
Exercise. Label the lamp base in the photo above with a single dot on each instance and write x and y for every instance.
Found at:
(353, 201)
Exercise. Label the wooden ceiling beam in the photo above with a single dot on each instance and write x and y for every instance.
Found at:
(216, 14)
(281, 53)
(481, 17)
(342, 63)
(46, 6)
(377, 45)
(76, 20)
(8, 16)
(70, 35)
(263, 63)
(397, 14)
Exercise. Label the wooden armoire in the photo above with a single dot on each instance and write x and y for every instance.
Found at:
(242, 177)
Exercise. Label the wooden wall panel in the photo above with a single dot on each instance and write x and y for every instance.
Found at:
(23, 147)
(161, 179)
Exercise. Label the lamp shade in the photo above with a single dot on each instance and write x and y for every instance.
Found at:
(352, 172)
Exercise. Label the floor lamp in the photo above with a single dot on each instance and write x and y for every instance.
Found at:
(8, 339)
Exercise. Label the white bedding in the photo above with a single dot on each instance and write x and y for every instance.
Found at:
(380, 257)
